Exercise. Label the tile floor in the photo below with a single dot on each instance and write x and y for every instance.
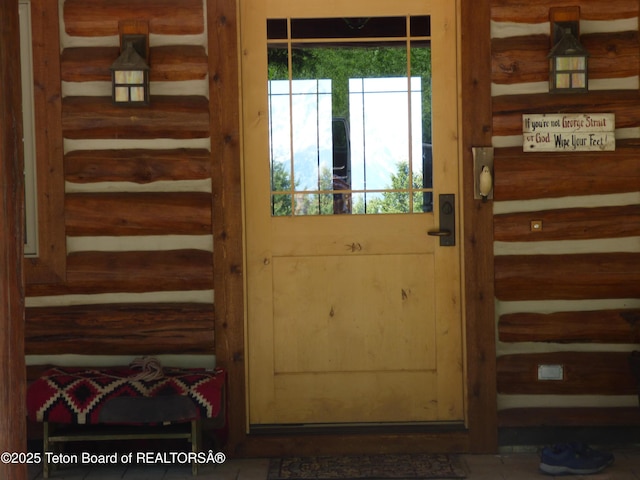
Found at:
(505, 466)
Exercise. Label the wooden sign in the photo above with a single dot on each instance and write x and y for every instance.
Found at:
(568, 132)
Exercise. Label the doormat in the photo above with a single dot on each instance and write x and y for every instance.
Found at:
(369, 467)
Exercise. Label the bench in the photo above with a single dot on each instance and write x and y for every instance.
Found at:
(143, 401)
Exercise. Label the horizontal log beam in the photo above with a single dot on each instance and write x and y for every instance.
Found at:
(100, 17)
(87, 64)
(598, 326)
(569, 224)
(585, 373)
(537, 11)
(120, 329)
(179, 213)
(178, 62)
(33, 373)
(569, 417)
(612, 55)
(168, 63)
(524, 59)
(137, 166)
(524, 176)
(567, 277)
(520, 59)
(508, 109)
(109, 272)
(180, 117)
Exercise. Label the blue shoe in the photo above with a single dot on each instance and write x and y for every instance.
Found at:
(573, 459)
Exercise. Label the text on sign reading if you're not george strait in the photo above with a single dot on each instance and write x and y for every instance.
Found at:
(568, 132)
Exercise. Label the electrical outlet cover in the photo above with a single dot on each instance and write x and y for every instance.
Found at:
(550, 372)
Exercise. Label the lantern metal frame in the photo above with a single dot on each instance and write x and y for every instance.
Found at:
(568, 64)
(130, 73)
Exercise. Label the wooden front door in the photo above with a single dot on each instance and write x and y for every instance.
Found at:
(350, 132)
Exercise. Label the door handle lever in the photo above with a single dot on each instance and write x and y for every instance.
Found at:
(439, 233)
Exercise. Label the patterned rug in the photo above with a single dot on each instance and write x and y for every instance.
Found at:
(369, 467)
(89, 395)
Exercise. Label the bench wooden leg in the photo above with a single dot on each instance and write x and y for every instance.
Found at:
(196, 437)
(50, 440)
(45, 448)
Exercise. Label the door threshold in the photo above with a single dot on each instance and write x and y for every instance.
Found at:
(357, 428)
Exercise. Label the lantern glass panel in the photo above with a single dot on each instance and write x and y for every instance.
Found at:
(578, 80)
(131, 77)
(122, 94)
(563, 80)
(137, 94)
(570, 63)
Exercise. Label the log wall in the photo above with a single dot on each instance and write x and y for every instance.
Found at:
(130, 203)
(134, 194)
(567, 294)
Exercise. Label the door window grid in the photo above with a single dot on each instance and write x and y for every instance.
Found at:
(301, 108)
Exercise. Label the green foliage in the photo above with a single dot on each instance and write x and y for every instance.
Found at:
(317, 203)
(393, 201)
(280, 182)
(305, 204)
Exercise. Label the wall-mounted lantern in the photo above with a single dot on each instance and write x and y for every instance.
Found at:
(130, 73)
(568, 69)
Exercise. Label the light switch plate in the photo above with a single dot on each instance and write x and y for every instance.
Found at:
(550, 372)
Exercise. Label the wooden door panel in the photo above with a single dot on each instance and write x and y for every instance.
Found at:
(357, 397)
(362, 313)
(353, 234)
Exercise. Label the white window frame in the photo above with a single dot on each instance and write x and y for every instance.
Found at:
(28, 127)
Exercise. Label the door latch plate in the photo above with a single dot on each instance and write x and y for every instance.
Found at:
(447, 202)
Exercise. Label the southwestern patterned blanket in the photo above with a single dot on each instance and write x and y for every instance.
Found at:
(122, 395)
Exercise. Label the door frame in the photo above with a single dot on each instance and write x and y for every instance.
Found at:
(292, 381)
(481, 434)
(13, 423)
